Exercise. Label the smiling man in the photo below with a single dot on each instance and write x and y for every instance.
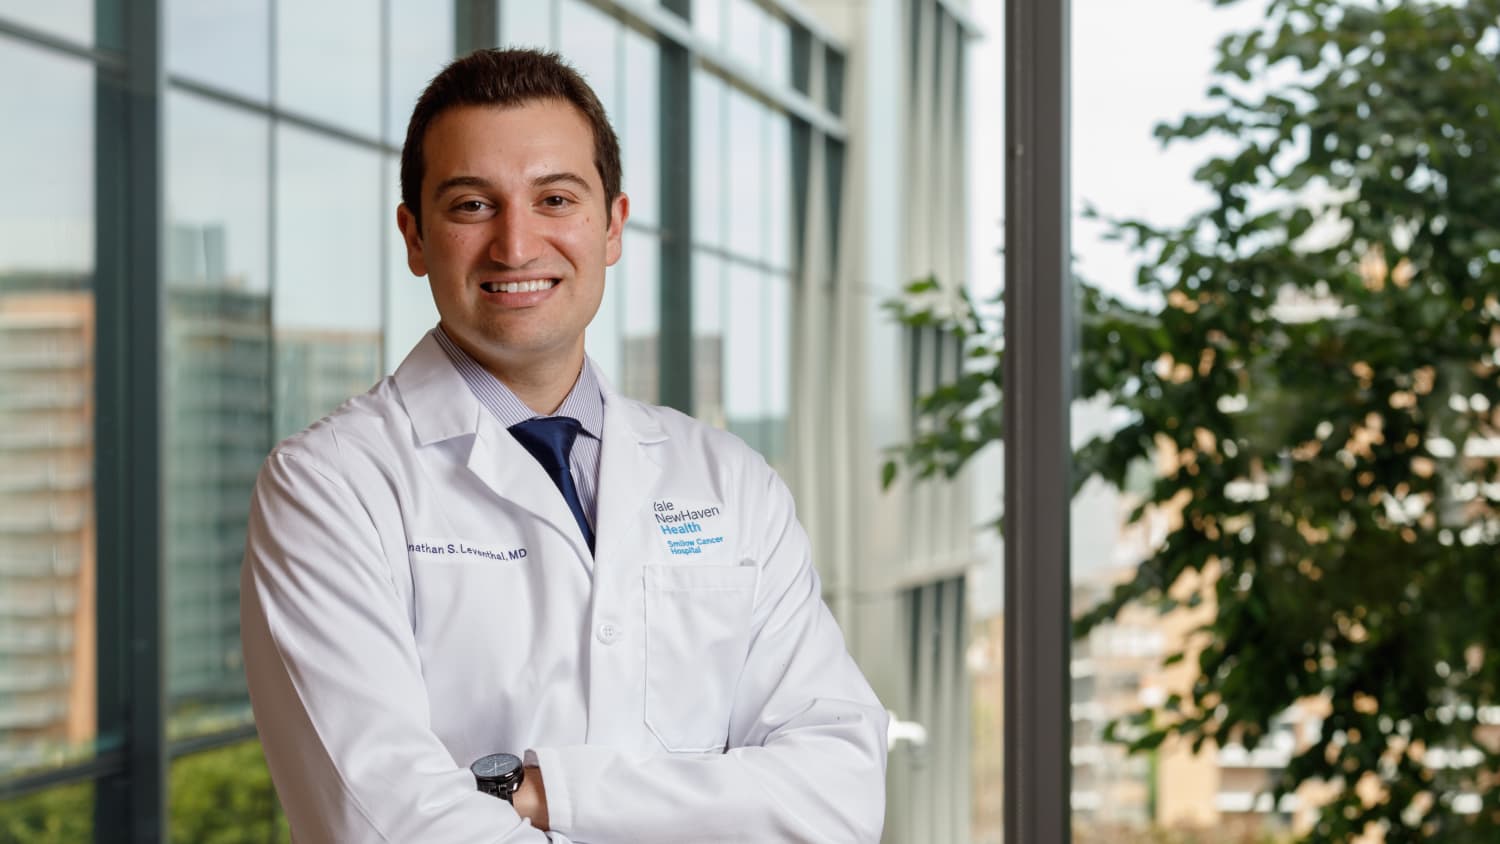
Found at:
(492, 600)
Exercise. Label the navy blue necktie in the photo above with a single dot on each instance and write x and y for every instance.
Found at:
(550, 439)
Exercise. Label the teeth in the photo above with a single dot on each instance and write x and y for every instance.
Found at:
(520, 286)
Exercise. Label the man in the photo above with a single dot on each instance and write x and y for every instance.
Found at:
(451, 565)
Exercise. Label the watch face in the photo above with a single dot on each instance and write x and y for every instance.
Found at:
(496, 766)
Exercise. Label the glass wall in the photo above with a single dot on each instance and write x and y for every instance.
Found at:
(284, 290)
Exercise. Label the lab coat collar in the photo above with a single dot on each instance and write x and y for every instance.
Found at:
(442, 407)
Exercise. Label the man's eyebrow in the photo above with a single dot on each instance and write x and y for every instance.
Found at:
(551, 179)
(460, 182)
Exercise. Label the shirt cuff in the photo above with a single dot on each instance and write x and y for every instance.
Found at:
(554, 780)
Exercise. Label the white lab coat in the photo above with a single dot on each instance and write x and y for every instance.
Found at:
(416, 594)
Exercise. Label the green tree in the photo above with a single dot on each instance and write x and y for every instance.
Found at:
(1318, 389)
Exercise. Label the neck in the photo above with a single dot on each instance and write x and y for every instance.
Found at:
(540, 382)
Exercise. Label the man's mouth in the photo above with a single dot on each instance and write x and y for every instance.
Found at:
(529, 286)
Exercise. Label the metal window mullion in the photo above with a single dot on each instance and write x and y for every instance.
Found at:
(1038, 340)
(130, 804)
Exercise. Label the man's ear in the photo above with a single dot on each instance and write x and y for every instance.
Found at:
(411, 234)
(619, 210)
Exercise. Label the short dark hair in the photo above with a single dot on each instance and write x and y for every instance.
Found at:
(506, 78)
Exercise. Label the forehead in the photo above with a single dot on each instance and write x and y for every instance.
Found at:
(538, 135)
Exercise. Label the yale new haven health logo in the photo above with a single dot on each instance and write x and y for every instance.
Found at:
(688, 528)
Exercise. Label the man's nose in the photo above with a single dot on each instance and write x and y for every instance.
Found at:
(514, 239)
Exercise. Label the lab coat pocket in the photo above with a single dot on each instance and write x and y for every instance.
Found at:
(697, 635)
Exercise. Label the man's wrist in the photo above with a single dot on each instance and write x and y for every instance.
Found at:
(530, 800)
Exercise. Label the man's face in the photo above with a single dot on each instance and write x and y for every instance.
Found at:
(515, 233)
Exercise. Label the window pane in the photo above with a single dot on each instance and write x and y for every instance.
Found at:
(224, 794)
(779, 214)
(327, 298)
(591, 43)
(639, 120)
(61, 815)
(47, 545)
(708, 18)
(708, 338)
(224, 43)
(421, 43)
(328, 63)
(526, 24)
(709, 178)
(745, 330)
(71, 19)
(217, 428)
(640, 315)
(747, 176)
(603, 340)
(777, 360)
(747, 40)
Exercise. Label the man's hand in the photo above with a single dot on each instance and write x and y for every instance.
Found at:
(530, 799)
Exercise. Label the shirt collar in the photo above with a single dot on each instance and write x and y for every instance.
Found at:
(585, 402)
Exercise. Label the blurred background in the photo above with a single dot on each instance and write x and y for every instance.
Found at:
(198, 257)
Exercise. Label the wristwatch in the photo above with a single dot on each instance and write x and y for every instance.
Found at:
(499, 774)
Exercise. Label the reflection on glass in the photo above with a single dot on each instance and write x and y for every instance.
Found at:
(409, 310)
(71, 19)
(217, 427)
(47, 528)
(639, 123)
(328, 270)
(198, 45)
(328, 62)
(747, 176)
(708, 338)
(421, 43)
(640, 310)
(224, 794)
(526, 24)
(746, 410)
(603, 338)
(590, 42)
(709, 192)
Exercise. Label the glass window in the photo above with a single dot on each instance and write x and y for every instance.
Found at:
(747, 44)
(328, 63)
(421, 43)
(217, 393)
(639, 120)
(526, 24)
(47, 548)
(708, 338)
(745, 329)
(590, 41)
(708, 18)
(777, 359)
(224, 794)
(778, 62)
(780, 217)
(71, 19)
(60, 814)
(640, 312)
(709, 197)
(225, 44)
(328, 261)
(748, 189)
(603, 339)
(410, 312)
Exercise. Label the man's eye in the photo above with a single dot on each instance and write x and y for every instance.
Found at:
(555, 201)
(473, 206)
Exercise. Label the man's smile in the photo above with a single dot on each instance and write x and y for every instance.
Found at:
(528, 286)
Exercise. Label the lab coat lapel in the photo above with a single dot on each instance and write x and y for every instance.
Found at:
(442, 407)
(628, 471)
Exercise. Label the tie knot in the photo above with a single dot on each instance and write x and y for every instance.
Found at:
(548, 438)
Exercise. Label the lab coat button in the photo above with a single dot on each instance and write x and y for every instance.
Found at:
(609, 633)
